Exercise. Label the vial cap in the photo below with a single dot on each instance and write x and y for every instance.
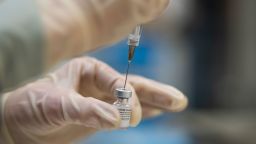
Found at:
(123, 93)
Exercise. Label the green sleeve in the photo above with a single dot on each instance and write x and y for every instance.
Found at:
(21, 42)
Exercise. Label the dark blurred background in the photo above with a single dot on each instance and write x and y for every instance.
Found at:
(207, 49)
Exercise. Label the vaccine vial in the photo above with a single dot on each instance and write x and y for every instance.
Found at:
(122, 104)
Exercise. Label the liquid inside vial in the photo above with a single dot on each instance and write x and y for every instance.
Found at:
(122, 104)
(124, 111)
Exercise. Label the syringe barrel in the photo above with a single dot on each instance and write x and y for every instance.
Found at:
(134, 37)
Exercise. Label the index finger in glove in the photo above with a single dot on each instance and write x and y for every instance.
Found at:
(158, 95)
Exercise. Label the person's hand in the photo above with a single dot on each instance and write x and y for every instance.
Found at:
(76, 26)
(76, 101)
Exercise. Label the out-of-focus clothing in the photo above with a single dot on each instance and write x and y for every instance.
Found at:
(21, 42)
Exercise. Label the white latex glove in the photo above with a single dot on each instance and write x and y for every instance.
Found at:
(75, 26)
(76, 101)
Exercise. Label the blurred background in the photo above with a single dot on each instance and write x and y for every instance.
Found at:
(207, 49)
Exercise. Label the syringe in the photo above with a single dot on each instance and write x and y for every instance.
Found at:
(133, 42)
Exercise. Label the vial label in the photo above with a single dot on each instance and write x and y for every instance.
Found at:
(125, 115)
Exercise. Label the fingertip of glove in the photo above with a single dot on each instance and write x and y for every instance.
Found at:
(136, 116)
(113, 119)
(180, 104)
(117, 119)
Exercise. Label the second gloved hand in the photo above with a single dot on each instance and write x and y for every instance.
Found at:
(76, 26)
(76, 101)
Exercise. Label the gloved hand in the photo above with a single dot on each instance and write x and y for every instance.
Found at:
(76, 101)
(75, 26)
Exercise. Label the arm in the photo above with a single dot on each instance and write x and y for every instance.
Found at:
(21, 46)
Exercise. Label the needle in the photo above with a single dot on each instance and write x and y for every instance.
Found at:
(130, 57)
(127, 71)
(133, 42)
